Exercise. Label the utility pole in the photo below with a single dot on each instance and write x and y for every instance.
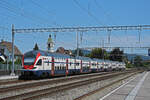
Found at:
(103, 48)
(109, 33)
(12, 69)
(77, 37)
(139, 31)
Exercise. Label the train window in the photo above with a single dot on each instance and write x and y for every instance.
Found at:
(48, 63)
(70, 63)
(77, 64)
(29, 61)
(39, 62)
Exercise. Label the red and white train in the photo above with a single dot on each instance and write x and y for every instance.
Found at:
(39, 63)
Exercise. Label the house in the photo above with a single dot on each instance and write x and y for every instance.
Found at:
(6, 50)
(63, 51)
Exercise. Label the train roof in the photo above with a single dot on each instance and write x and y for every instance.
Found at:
(84, 58)
(34, 53)
(45, 53)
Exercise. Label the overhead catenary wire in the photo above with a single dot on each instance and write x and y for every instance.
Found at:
(105, 13)
(43, 8)
(50, 13)
(18, 11)
(100, 7)
(89, 13)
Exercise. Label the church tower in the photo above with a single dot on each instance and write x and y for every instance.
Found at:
(50, 44)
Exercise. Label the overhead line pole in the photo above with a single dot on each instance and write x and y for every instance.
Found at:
(77, 44)
(13, 68)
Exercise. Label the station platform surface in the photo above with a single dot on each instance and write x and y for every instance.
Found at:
(6, 77)
(137, 88)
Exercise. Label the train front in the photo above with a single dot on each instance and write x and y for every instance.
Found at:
(30, 59)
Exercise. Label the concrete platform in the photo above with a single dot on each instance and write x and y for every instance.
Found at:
(8, 77)
(135, 89)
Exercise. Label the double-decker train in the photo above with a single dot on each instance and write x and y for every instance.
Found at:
(41, 64)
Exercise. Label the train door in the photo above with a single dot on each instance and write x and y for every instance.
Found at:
(75, 64)
(81, 67)
(52, 66)
(67, 63)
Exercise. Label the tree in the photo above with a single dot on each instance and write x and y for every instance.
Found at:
(18, 61)
(98, 53)
(138, 61)
(36, 47)
(116, 55)
(80, 52)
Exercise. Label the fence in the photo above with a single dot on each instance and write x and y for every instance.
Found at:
(5, 69)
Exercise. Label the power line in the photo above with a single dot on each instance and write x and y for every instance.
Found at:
(146, 47)
(41, 7)
(14, 9)
(89, 13)
(46, 10)
(83, 29)
(5, 28)
(100, 7)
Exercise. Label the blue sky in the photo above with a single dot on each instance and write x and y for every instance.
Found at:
(59, 13)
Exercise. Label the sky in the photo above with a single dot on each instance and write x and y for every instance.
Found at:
(75, 13)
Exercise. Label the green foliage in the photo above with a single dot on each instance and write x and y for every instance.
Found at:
(80, 52)
(116, 55)
(18, 61)
(88, 55)
(1, 62)
(146, 64)
(138, 61)
(10, 62)
(98, 53)
(129, 65)
(106, 55)
(36, 47)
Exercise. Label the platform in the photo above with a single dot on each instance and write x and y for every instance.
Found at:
(6, 77)
(137, 88)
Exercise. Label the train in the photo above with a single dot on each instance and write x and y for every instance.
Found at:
(42, 64)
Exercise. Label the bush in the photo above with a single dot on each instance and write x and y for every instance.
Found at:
(128, 65)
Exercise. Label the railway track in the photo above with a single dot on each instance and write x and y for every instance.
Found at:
(80, 81)
(36, 83)
(12, 81)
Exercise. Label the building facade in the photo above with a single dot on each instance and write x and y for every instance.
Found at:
(6, 51)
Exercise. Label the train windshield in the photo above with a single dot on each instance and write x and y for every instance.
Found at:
(29, 61)
(29, 58)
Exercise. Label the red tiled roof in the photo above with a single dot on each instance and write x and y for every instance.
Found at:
(9, 47)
